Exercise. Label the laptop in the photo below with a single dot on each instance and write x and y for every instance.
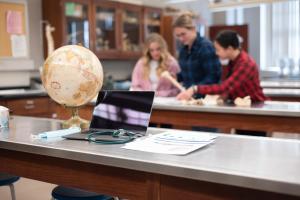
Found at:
(128, 110)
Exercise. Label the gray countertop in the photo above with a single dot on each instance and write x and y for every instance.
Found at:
(270, 108)
(282, 92)
(20, 93)
(246, 161)
(35, 89)
(280, 84)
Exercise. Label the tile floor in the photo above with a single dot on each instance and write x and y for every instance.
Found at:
(27, 189)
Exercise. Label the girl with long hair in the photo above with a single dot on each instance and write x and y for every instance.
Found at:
(156, 59)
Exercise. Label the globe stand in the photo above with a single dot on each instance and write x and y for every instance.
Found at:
(75, 120)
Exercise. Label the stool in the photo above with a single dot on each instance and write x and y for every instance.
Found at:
(8, 180)
(68, 193)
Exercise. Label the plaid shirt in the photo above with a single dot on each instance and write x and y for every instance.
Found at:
(200, 64)
(243, 81)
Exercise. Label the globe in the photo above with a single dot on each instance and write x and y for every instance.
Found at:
(72, 75)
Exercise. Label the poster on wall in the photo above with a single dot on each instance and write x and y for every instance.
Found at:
(14, 22)
(18, 45)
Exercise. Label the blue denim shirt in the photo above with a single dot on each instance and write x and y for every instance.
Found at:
(200, 65)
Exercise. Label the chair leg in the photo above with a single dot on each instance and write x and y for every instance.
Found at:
(12, 191)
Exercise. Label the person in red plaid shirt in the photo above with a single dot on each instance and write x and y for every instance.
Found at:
(242, 78)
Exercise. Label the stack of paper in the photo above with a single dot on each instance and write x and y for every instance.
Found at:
(172, 142)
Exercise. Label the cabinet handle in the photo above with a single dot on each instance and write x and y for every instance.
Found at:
(29, 102)
(29, 107)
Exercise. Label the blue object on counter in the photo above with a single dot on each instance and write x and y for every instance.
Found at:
(122, 85)
(57, 133)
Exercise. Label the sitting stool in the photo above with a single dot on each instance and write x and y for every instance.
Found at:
(68, 193)
(8, 180)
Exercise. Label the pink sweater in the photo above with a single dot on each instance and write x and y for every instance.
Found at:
(164, 88)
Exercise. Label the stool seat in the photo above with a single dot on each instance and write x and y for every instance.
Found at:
(7, 179)
(68, 193)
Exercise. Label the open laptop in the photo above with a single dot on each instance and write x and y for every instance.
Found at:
(128, 110)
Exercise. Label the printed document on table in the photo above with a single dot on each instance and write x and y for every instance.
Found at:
(172, 142)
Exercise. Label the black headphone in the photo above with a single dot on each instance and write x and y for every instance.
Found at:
(119, 136)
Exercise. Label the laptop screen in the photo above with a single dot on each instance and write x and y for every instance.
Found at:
(129, 110)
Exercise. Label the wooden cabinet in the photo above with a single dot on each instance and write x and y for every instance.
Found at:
(30, 106)
(105, 29)
(167, 33)
(112, 30)
(117, 30)
(152, 20)
(71, 20)
(43, 107)
(76, 27)
(131, 30)
(3, 103)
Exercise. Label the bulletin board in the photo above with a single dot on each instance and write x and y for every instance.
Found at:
(5, 37)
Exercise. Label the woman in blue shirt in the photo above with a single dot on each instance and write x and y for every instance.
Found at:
(197, 58)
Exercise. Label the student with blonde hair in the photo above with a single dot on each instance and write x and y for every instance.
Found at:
(156, 59)
(197, 57)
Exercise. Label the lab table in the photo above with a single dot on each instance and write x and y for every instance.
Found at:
(269, 116)
(283, 94)
(282, 89)
(233, 167)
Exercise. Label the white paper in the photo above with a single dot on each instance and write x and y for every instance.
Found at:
(184, 137)
(18, 45)
(172, 142)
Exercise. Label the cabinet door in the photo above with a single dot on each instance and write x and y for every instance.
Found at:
(131, 24)
(76, 22)
(3, 103)
(152, 21)
(167, 33)
(105, 29)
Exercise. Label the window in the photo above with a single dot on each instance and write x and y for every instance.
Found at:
(280, 37)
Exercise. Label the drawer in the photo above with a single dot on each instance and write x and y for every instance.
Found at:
(29, 106)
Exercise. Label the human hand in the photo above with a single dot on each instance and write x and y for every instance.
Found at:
(165, 74)
(185, 95)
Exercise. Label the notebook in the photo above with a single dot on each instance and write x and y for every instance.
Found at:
(128, 110)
